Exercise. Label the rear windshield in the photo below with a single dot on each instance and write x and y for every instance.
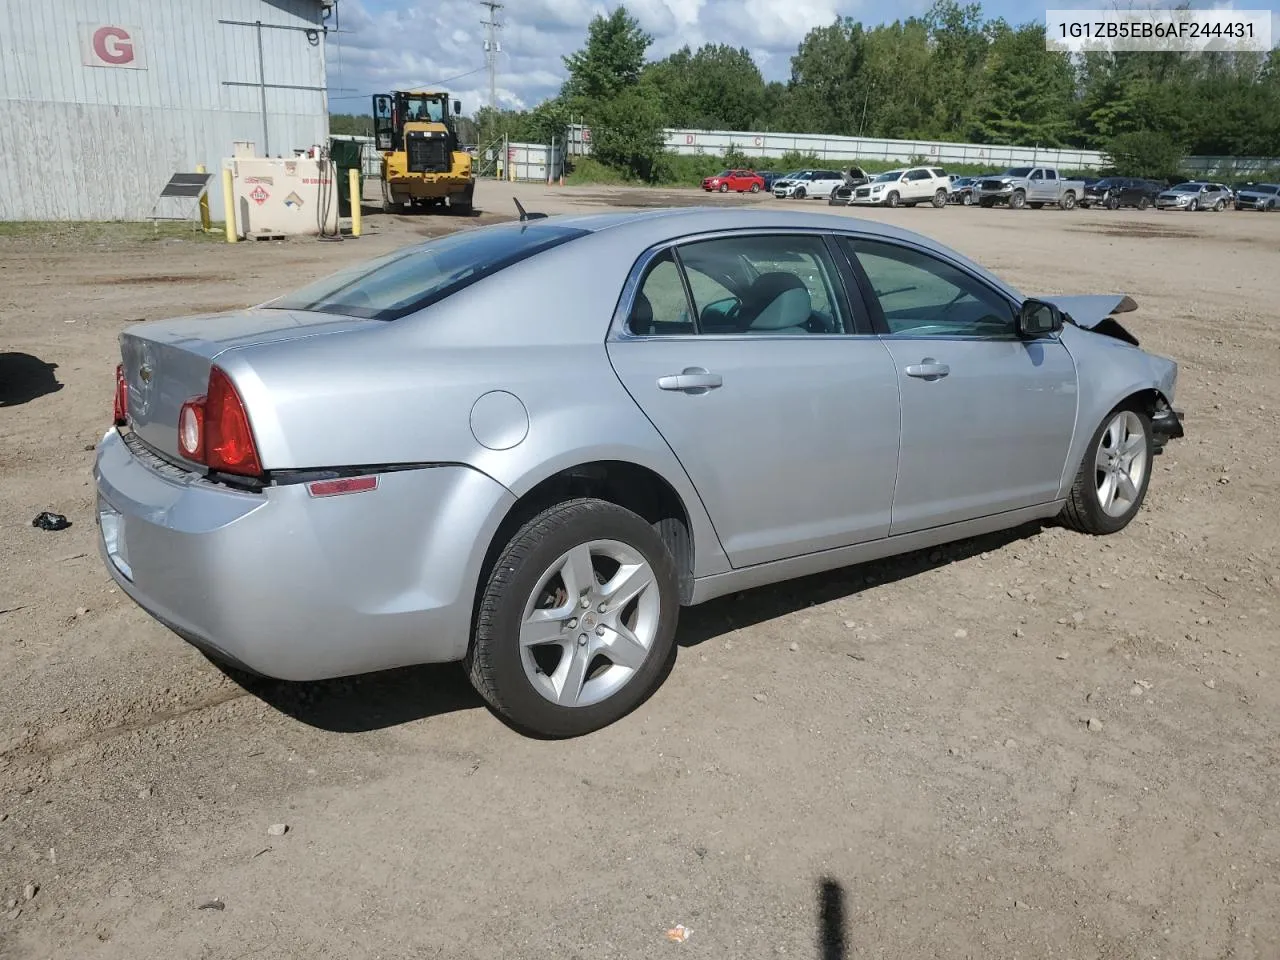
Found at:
(407, 280)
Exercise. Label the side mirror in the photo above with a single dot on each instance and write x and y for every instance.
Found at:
(457, 108)
(1038, 319)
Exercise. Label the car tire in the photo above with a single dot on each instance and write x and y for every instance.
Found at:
(1112, 203)
(940, 198)
(1068, 201)
(831, 200)
(1097, 503)
(892, 200)
(724, 188)
(1193, 205)
(966, 199)
(799, 194)
(504, 668)
(755, 188)
(1018, 200)
(1143, 203)
(1219, 206)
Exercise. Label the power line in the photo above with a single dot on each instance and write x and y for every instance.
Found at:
(417, 83)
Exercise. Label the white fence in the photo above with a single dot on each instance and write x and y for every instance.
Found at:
(833, 149)
(536, 162)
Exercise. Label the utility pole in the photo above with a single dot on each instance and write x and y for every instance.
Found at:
(491, 49)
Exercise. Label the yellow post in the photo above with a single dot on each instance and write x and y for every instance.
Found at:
(204, 201)
(229, 205)
(354, 192)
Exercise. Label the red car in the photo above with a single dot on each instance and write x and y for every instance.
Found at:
(740, 181)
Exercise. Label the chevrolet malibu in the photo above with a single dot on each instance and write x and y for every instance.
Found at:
(525, 447)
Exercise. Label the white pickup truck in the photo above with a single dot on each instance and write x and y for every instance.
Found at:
(1029, 186)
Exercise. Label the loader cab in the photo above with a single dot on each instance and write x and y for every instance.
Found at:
(418, 124)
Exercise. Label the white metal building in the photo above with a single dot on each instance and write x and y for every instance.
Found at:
(102, 101)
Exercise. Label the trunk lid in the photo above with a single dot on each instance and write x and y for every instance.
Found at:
(167, 362)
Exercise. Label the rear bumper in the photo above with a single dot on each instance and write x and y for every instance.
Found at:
(296, 587)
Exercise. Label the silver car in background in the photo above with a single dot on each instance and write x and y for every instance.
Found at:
(1195, 195)
(524, 447)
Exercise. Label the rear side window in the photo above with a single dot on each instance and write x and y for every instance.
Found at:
(407, 280)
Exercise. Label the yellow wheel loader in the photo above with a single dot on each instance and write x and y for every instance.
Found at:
(422, 164)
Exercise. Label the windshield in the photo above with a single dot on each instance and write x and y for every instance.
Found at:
(1018, 172)
(409, 279)
(723, 173)
(886, 177)
(1187, 188)
(422, 110)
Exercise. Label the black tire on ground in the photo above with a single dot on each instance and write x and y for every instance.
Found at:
(1113, 203)
(1082, 510)
(1018, 200)
(892, 198)
(462, 203)
(724, 188)
(1143, 203)
(755, 188)
(940, 198)
(1219, 206)
(1068, 201)
(494, 663)
(967, 199)
(799, 194)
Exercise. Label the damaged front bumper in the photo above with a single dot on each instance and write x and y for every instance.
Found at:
(1166, 425)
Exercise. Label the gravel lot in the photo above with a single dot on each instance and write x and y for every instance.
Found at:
(894, 760)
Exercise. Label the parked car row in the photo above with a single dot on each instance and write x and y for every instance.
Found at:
(1033, 187)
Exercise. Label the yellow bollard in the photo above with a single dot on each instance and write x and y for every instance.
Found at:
(229, 205)
(204, 201)
(354, 192)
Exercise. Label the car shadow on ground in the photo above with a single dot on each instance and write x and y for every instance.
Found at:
(390, 698)
(710, 620)
(24, 378)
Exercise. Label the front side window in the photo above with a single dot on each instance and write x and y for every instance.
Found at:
(407, 280)
(921, 295)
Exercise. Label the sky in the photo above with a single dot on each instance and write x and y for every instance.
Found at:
(388, 45)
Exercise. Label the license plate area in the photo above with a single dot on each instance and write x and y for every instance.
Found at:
(112, 523)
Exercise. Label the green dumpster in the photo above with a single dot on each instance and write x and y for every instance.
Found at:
(346, 157)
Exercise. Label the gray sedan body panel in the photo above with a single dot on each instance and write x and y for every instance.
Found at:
(815, 452)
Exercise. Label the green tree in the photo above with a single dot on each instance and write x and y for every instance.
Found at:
(829, 91)
(610, 62)
(626, 132)
(1026, 91)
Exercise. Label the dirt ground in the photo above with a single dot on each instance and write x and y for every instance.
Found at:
(891, 761)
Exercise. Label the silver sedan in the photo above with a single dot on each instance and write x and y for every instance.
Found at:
(525, 447)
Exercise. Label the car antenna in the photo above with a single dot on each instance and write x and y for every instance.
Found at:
(527, 216)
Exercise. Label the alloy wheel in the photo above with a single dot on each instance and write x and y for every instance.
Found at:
(1121, 463)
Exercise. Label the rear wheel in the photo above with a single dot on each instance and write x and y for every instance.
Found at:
(940, 198)
(577, 620)
(1113, 477)
(1112, 203)
(1143, 203)
(755, 188)
(1068, 201)
(1219, 206)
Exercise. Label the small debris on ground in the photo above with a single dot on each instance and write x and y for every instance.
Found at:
(1064, 655)
(759, 697)
(794, 647)
(679, 933)
(144, 793)
(961, 633)
(1211, 684)
(212, 905)
(14, 914)
(1094, 724)
(277, 829)
(50, 521)
(29, 891)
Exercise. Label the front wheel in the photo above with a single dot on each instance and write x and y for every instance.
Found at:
(1017, 200)
(1193, 205)
(577, 620)
(755, 188)
(724, 188)
(940, 198)
(799, 194)
(1113, 477)
(893, 198)
(1143, 203)
(966, 199)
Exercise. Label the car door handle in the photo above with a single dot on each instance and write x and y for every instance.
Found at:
(928, 369)
(691, 378)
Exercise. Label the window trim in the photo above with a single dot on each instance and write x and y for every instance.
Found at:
(876, 312)
(619, 330)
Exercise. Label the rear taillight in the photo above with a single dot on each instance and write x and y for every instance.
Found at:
(120, 409)
(214, 429)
